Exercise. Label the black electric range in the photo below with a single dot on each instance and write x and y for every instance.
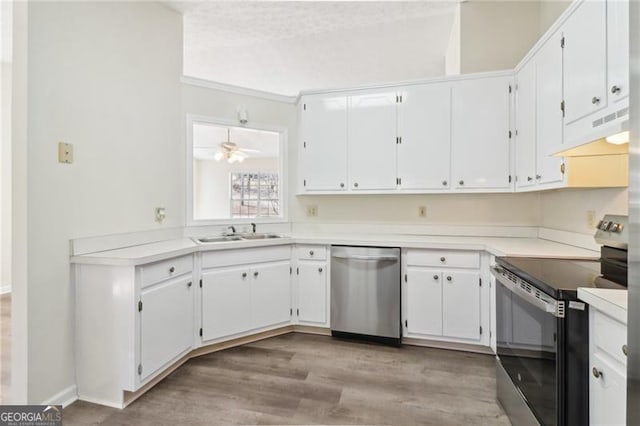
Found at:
(542, 329)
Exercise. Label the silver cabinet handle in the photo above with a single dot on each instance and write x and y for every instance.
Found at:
(435, 277)
(355, 184)
(189, 284)
(538, 177)
(172, 270)
(449, 278)
(255, 274)
(615, 89)
(444, 183)
(341, 184)
(319, 269)
(529, 178)
(595, 100)
(442, 259)
(461, 182)
(244, 275)
(625, 350)
(311, 253)
(597, 373)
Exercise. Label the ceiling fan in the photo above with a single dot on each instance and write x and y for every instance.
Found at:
(231, 151)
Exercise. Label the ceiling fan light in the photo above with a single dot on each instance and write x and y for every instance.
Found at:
(219, 155)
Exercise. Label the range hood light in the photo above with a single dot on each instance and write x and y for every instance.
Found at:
(618, 138)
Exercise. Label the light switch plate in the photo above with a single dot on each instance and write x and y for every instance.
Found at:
(65, 153)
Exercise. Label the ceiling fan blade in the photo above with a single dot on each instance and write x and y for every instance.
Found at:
(248, 150)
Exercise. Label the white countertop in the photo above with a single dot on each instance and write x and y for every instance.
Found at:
(498, 246)
(611, 302)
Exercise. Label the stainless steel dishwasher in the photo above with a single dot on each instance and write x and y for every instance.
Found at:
(365, 293)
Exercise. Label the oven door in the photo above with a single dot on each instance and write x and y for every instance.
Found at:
(527, 322)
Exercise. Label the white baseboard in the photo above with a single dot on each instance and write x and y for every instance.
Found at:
(5, 289)
(65, 397)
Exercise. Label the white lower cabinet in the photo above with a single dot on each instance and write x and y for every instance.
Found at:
(312, 286)
(253, 295)
(461, 304)
(443, 303)
(226, 299)
(607, 369)
(166, 324)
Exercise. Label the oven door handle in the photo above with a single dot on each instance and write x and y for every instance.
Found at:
(552, 307)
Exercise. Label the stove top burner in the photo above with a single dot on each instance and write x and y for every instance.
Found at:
(559, 278)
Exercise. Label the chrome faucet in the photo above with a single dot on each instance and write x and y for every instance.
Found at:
(233, 229)
(253, 225)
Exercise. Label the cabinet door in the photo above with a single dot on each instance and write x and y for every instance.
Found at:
(372, 141)
(548, 112)
(480, 133)
(270, 294)
(424, 126)
(607, 393)
(166, 323)
(461, 305)
(312, 292)
(424, 302)
(618, 49)
(323, 145)
(226, 302)
(585, 56)
(526, 125)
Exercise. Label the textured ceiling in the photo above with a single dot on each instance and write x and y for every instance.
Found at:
(285, 47)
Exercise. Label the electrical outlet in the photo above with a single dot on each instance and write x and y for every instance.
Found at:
(312, 211)
(422, 211)
(161, 214)
(591, 218)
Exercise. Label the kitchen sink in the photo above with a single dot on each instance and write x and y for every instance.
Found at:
(238, 237)
(221, 239)
(258, 236)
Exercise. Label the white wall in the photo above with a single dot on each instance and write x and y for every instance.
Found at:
(211, 187)
(566, 209)
(495, 35)
(452, 56)
(104, 77)
(454, 209)
(6, 17)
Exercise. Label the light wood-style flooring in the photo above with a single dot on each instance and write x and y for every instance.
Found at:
(307, 379)
(5, 347)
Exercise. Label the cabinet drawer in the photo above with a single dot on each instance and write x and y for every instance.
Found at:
(217, 258)
(159, 271)
(436, 258)
(311, 252)
(609, 335)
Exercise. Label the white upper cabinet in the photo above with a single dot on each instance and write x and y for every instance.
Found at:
(372, 140)
(548, 110)
(323, 145)
(480, 134)
(618, 49)
(585, 60)
(424, 136)
(525, 147)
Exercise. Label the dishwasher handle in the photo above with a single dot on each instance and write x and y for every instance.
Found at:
(358, 257)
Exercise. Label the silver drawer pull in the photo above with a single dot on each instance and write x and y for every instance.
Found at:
(442, 259)
(597, 373)
(172, 270)
(311, 253)
(244, 275)
(435, 277)
(319, 269)
(625, 350)
(449, 278)
(255, 274)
